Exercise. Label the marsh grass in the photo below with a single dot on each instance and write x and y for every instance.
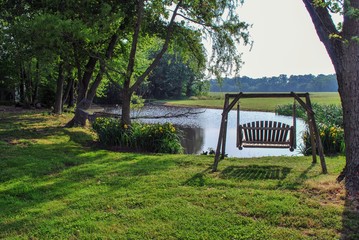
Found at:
(55, 184)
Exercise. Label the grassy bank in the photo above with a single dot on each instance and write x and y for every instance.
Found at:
(215, 100)
(55, 183)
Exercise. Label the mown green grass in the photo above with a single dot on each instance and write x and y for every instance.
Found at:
(216, 100)
(56, 183)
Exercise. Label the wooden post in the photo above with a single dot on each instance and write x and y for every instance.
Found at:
(317, 137)
(220, 136)
(308, 108)
(295, 125)
(238, 122)
(311, 129)
(312, 141)
(225, 128)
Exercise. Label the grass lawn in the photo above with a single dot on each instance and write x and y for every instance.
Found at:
(216, 100)
(55, 183)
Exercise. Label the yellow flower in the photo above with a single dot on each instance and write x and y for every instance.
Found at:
(125, 126)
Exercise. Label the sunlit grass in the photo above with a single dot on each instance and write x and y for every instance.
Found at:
(56, 184)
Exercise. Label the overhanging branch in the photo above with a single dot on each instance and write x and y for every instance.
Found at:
(324, 27)
(155, 62)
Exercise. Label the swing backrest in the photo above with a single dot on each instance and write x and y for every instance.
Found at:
(265, 134)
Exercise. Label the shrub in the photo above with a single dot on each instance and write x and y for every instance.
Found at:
(158, 138)
(332, 138)
(325, 114)
(287, 110)
(112, 133)
(329, 119)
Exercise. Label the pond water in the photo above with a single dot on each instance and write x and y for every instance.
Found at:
(200, 128)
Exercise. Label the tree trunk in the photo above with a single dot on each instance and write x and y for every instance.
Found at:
(59, 90)
(348, 79)
(82, 103)
(87, 92)
(36, 83)
(66, 95)
(22, 84)
(85, 81)
(189, 86)
(71, 101)
(343, 52)
(126, 107)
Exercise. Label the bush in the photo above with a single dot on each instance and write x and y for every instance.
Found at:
(157, 138)
(329, 119)
(287, 110)
(332, 138)
(325, 114)
(112, 133)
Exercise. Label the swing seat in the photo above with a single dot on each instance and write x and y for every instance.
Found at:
(266, 134)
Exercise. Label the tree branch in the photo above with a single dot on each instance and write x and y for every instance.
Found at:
(118, 86)
(325, 27)
(108, 55)
(194, 21)
(131, 61)
(160, 54)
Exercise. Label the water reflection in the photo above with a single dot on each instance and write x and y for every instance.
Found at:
(192, 140)
(200, 131)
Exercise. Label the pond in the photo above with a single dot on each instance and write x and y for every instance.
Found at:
(200, 128)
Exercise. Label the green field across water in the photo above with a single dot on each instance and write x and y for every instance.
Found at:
(216, 100)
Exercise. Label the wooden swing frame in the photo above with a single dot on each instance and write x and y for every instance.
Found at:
(313, 129)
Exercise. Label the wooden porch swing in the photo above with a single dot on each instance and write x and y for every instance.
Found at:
(268, 134)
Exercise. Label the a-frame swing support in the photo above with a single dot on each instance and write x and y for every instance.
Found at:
(228, 106)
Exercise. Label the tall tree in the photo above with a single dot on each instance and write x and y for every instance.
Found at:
(174, 77)
(216, 18)
(342, 45)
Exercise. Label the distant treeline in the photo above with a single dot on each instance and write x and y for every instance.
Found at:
(282, 83)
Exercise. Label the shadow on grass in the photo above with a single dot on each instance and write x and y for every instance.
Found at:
(198, 179)
(298, 181)
(81, 138)
(42, 179)
(350, 220)
(15, 133)
(256, 172)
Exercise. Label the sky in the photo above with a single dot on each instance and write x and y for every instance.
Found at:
(285, 41)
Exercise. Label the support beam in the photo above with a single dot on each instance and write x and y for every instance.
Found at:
(220, 140)
(225, 129)
(317, 138)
